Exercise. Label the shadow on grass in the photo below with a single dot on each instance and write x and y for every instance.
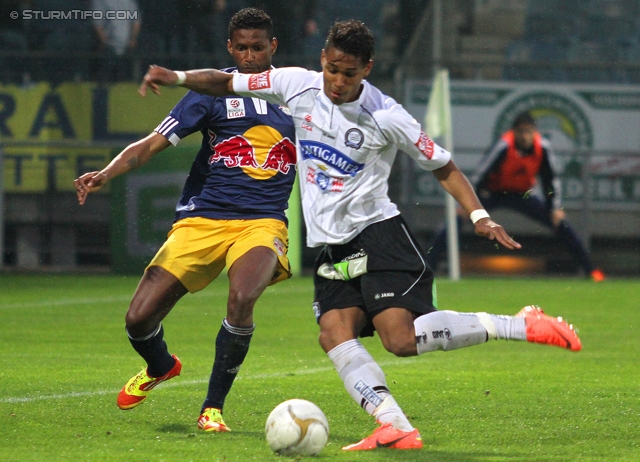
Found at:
(176, 428)
(192, 431)
(424, 454)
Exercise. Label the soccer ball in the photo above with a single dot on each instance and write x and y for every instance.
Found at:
(297, 427)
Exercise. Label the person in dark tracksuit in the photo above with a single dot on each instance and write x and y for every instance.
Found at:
(506, 177)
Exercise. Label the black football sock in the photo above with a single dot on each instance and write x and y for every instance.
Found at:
(232, 345)
(153, 350)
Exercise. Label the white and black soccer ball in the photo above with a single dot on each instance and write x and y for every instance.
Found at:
(297, 427)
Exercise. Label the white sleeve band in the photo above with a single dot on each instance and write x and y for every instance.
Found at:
(477, 215)
(182, 76)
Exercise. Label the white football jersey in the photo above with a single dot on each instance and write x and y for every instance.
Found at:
(345, 152)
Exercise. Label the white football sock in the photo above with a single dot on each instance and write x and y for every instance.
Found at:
(450, 330)
(365, 381)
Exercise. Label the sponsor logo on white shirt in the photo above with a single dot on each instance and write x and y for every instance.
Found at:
(331, 156)
(323, 181)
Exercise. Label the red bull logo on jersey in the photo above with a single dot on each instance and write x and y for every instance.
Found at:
(261, 152)
(235, 152)
(330, 156)
(281, 156)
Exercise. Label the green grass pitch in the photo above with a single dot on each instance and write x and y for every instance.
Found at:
(65, 356)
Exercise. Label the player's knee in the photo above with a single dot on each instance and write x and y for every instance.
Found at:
(329, 339)
(242, 298)
(240, 305)
(137, 323)
(401, 347)
(339, 326)
(144, 315)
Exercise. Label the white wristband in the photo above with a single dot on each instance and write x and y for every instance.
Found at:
(478, 215)
(182, 76)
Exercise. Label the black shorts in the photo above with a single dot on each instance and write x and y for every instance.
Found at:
(397, 273)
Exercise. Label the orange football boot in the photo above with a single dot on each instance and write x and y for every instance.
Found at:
(541, 328)
(386, 436)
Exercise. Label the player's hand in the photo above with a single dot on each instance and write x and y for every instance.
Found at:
(89, 182)
(557, 216)
(491, 230)
(156, 77)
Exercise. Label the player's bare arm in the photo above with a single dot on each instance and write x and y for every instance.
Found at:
(205, 81)
(132, 157)
(456, 183)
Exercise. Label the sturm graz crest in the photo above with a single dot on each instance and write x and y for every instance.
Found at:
(353, 138)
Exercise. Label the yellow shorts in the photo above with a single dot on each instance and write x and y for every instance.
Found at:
(197, 249)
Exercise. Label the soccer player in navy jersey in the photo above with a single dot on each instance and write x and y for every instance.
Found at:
(371, 274)
(231, 213)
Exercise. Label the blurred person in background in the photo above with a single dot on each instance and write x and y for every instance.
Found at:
(12, 30)
(160, 32)
(13, 37)
(203, 26)
(505, 178)
(116, 38)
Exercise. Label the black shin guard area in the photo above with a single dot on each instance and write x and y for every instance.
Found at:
(231, 349)
(154, 351)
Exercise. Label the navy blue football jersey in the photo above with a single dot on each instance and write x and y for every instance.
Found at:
(245, 167)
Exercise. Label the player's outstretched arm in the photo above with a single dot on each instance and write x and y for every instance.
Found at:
(206, 81)
(456, 183)
(133, 156)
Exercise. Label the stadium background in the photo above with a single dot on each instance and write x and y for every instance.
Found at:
(575, 64)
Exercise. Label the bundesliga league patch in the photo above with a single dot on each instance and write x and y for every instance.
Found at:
(235, 108)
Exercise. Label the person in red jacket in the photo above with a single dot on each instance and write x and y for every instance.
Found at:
(506, 177)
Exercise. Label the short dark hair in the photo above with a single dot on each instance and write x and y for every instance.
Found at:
(251, 18)
(524, 118)
(353, 38)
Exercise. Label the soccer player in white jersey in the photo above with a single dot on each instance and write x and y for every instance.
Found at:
(371, 273)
